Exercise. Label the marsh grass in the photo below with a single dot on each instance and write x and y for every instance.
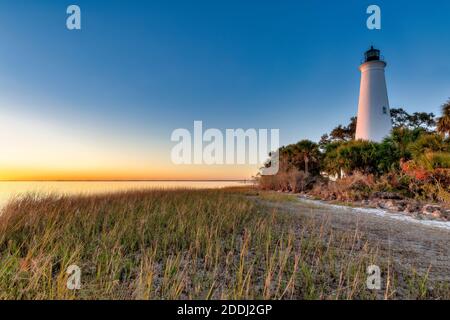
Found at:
(178, 244)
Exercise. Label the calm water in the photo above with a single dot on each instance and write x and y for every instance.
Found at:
(13, 189)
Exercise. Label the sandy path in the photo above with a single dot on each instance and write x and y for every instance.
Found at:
(407, 243)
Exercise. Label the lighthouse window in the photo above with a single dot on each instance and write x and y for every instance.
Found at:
(384, 110)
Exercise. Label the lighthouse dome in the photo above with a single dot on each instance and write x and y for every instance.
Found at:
(372, 55)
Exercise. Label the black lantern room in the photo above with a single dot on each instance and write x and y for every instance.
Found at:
(372, 55)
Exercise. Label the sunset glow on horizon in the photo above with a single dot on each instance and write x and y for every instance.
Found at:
(39, 150)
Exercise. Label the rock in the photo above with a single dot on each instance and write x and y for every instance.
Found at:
(430, 209)
(403, 204)
(445, 214)
(436, 214)
(412, 207)
(373, 203)
(392, 205)
(387, 195)
(435, 211)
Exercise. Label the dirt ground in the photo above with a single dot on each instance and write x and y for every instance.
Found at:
(407, 244)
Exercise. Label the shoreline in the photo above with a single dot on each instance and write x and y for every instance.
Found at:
(378, 212)
(387, 202)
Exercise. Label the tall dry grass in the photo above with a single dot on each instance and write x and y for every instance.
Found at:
(173, 244)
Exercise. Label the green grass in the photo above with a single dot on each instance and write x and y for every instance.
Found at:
(173, 244)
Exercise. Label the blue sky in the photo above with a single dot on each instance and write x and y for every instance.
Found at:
(138, 70)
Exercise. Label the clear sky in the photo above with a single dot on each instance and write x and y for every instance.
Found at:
(102, 102)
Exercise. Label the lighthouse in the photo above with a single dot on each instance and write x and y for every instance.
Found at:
(374, 118)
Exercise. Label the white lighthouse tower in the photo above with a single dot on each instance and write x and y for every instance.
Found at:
(374, 119)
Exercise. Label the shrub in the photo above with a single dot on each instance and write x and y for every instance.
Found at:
(439, 160)
(350, 188)
(292, 180)
(357, 156)
(427, 143)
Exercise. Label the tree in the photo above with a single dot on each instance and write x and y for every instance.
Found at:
(342, 133)
(307, 151)
(388, 156)
(339, 133)
(331, 163)
(351, 127)
(422, 120)
(401, 138)
(324, 141)
(443, 123)
(358, 156)
(304, 155)
(399, 118)
(402, 119)
(351, 156)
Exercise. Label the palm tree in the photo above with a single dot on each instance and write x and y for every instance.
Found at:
(443, 123)
(307, 151)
